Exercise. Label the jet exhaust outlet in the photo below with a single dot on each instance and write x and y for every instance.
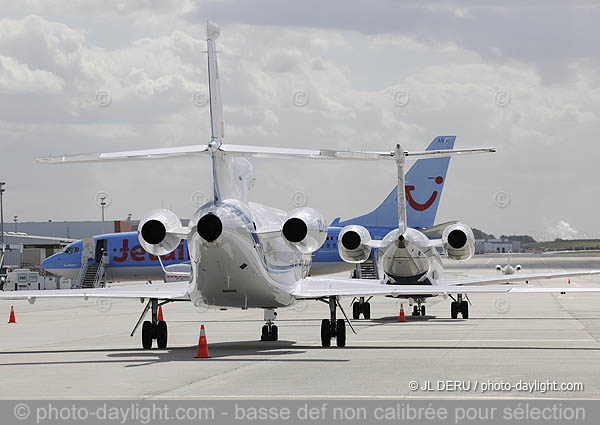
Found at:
(154, 232)
(295, 230)
(210, 227)
(351, 240)
(457, 239)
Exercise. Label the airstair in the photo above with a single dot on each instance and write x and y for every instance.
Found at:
(92, 275)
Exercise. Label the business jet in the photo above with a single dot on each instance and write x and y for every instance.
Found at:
(508, 269)
(127, 261)
(247, 255)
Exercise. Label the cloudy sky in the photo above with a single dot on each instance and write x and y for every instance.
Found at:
(129, 74)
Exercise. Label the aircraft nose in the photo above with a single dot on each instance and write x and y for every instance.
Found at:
(48, 262)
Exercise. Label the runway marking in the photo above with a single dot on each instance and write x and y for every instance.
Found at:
(474, 340)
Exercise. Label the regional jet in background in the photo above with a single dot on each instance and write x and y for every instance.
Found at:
(248, 255)
(126, 260)
(508, 269)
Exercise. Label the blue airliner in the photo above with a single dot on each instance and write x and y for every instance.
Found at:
(128, 261)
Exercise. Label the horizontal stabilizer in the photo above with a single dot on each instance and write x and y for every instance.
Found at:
(253, 151)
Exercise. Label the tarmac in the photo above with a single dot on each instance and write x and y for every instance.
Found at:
(512, 346)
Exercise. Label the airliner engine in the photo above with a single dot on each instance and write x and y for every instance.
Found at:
(155, 232)
(305, 230)
(459, 241)
(352, 244)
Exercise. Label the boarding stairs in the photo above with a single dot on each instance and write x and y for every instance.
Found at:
(367, 270)
(92, 275)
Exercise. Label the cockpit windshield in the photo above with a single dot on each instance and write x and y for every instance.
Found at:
(71, 250)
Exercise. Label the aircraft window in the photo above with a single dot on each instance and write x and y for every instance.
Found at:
(328, 246)
(72, 250)
(335, 245)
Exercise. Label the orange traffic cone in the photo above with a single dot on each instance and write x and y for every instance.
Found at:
(202, 345)
(160, 317)
(12, 319)
(401, 318)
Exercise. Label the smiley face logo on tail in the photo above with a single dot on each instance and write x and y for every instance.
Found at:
(422, 206)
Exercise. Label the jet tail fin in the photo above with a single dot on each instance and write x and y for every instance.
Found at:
(423, 182)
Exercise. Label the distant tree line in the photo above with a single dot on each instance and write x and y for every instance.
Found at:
(480, 234)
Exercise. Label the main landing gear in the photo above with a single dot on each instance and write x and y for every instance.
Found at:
(459, 306)
(269, 330)
(333, 327)
(152, 330)
(361, 306)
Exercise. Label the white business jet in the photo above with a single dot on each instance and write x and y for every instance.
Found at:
(248, 255)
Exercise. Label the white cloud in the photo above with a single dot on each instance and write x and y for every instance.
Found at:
(562, 230)
(17, 77)
(151, 79)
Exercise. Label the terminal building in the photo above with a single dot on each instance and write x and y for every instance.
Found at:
(495, 246)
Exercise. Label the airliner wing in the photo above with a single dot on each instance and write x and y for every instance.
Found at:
(517, 277)
(323, 286)
(162, 291)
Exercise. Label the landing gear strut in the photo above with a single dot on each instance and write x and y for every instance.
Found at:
(333, 327)
(269, 330)
(363, 307)
(152, 330)
(459, 306)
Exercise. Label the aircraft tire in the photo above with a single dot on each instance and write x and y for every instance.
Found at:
(367, 310)
(161, 334)
(341, 333)
(325, 333)
(147, 335)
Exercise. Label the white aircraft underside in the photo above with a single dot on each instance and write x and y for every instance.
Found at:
(249, 255)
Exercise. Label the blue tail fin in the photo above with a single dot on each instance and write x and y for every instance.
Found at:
(424, 183)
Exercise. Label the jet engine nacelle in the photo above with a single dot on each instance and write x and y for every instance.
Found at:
(305, 230)
(155, 232)
(459, 241)
(352, 244)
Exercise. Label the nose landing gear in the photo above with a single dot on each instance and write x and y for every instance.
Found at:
(361, 306)
(269, 330)
(459, 306)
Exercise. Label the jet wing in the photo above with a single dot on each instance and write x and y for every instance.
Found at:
(517, 277)
(323, 286)
(162, 291)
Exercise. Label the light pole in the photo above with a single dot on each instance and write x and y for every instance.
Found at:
(102, 205)
(2, 216)
(16, 220)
